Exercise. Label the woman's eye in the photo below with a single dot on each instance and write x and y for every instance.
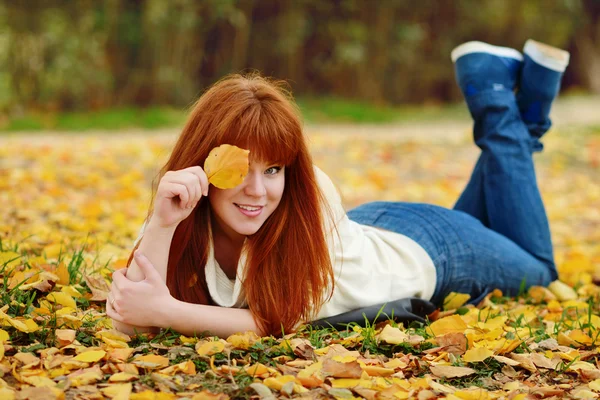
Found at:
(272, 170)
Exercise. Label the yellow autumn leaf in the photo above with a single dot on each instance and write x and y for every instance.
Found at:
(276, 383)
(122, 377)
(118, 391)
(151, 395)
(594, 385)
(90, 356)
(450, 324)
(63, 274)
(392, 335)
(226, 166)
(62, 299)
(477, 354)
(151, 361)
(9, 258)
(243, 341)
(562, 291)
(455, 300)
(208, 348)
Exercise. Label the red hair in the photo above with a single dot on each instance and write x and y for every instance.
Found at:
(288, 266)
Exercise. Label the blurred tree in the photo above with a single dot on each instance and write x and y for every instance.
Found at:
(61, 54)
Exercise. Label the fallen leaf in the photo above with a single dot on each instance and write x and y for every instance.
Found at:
(226, 166)
(447, 371)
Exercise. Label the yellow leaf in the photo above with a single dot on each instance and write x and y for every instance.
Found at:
(4, 336)
(595, 385)
(475, 394)
(39, 381)
(71, 291)
(114, 335)
(151, 395)
(562, 291)
(188, 340)
(62, 299)
(122, 377)
(226, 166)
(10, 258)
(345, 383)
(451, 324)
(584, 394)
(120, 354)
(392, 335)
(90, 356)
(447, 371)
(373, 370)
(151, 361)
(278, 382)
(455, 300)
(257, 369)
(207, 349)
(580, 337)
(118, 392)
(243, 341)
(477, 354)
(63, 274)
(6, 393)
(206, 395)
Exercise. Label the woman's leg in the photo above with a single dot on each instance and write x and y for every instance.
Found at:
(468, 257)
(504, 181)
(541, 75)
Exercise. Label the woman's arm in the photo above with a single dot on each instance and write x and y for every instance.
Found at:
(150, 303)
(155, 244)
(190, 319)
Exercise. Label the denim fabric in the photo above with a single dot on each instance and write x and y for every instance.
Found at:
(539, 87)
(497, 235)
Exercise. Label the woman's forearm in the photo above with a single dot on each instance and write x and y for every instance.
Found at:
(155, 245)
(194, 319)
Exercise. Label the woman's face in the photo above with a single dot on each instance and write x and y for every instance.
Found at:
(241, 211)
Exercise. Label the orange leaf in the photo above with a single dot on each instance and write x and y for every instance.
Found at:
(226, 166)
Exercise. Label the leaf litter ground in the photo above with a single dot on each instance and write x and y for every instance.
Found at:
(74, 205)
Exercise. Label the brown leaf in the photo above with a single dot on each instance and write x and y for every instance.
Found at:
(541, 361)
(98, 286)
(454, 343)
(447, 371)
(524, 361)
(338, 369)
(65, 336)
(543, 392)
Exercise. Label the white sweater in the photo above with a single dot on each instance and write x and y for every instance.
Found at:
(371, 265)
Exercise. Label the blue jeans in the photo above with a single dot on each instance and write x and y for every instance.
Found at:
(497, 235)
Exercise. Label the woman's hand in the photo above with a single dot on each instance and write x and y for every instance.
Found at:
(177, 195)
(143, 303)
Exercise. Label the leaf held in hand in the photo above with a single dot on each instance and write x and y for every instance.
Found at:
(226, 166)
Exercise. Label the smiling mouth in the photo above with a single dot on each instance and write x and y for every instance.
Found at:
(248, 208)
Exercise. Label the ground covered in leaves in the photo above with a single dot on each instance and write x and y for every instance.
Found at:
(72, 206)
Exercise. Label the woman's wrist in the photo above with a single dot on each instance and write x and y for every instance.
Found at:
(166, 315)
(155, 227)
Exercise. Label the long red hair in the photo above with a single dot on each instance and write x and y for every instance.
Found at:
(288, 268)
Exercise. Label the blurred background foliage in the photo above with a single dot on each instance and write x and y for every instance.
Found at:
(90, 55)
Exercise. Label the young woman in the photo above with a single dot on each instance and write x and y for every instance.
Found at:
(279, 249)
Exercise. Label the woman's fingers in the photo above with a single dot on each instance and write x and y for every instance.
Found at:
(178, 189)
(203, 179)
(192, 180)
(112, 313)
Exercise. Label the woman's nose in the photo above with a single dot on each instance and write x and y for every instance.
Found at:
(254, 185)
